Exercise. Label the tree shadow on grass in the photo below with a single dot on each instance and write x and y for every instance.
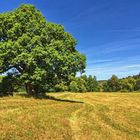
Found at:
(48, 97)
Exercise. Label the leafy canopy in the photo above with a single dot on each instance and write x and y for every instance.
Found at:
(40, 51)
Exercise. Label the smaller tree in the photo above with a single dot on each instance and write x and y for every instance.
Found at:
(127, 84)
(61, 87)
(137, 86)
(113, 84)
(7, 85)
(73, 87)
(81, 85)
(92, 84)
(132, 82)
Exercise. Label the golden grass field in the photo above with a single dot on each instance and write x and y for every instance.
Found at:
(71, 116)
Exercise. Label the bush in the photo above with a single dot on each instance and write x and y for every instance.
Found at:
(7, 85)
(60, 87)
(137, 86)
(81, 85)
(73, 87)
(78, 85)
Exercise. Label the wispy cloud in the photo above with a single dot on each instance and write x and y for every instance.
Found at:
(122, 46)
(106, 72)
(124, 30)
(103, 62)
(113, 47)
(103, 69)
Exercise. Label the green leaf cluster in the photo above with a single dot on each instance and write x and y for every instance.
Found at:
(41, 52)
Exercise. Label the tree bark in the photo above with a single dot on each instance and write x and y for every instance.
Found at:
(30, 89)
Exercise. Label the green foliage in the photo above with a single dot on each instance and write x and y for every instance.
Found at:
(102, 85)
(137, 86)
(78, 85)
(61, 87)
(1, 77)
(84, 84)
(44, 57)
(92, 84)
(113, 84)
(81, 85)
(127, 84)
(42, 52)
(7, 85)
(136, 77)
(73, 87)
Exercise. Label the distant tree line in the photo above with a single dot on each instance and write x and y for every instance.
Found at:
(84, 83)
(114, 84)
(90, 84)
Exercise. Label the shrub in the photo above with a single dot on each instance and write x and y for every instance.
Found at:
(60, 87)
(73, 87)
(7, 85)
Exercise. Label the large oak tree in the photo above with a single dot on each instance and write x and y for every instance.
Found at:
(41, 52)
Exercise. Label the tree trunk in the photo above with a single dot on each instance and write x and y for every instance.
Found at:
(30, 89)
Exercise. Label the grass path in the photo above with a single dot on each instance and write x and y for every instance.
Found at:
(65, 116)
(74, 123)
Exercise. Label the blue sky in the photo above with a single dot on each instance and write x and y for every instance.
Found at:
(107, 31)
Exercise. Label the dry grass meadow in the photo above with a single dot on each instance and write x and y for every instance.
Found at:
(71, 116)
